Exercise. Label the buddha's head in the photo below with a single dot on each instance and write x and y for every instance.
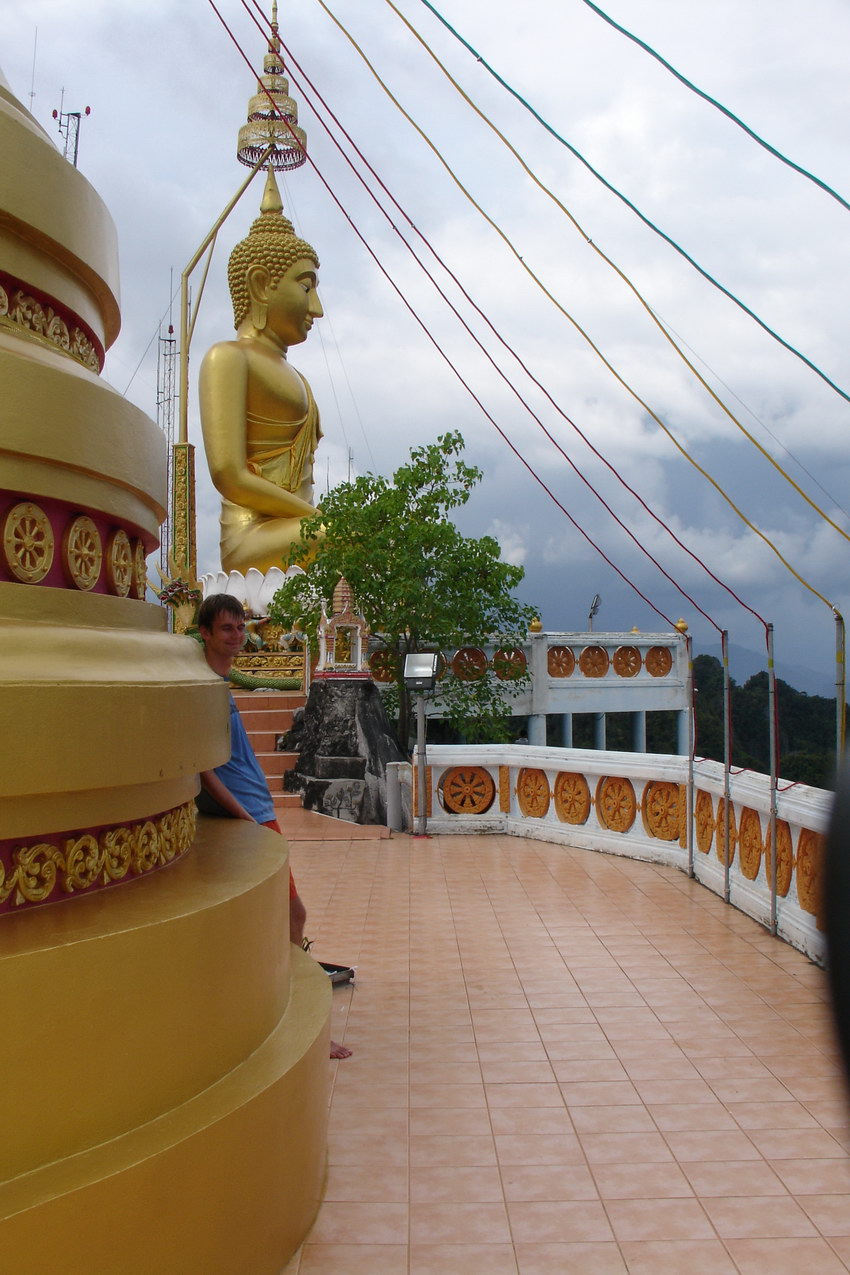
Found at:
(272, 244)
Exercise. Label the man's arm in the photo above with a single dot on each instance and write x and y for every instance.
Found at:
(220, 793)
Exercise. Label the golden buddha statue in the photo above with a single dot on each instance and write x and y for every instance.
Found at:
(259, 418)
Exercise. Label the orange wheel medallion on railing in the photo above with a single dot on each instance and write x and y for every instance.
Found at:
(616, 805)
(704, 820)
(661, 810)
(658, 661)
(627, 661)
(469, 664)
(560, 661)
(383, 665)
(810, 852)
(467, 790)
(593, 661)
(784, 858)
(532, 790)
(509, 663)
(572, 797)
(750, 845)
(720, 833)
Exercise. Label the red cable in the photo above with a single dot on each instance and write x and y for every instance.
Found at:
(612, 469)
(466, 386)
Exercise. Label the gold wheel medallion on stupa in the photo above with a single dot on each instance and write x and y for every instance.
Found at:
(560, 661)
(82, 552)
(119, 563)
(140, 571)
(616, 805)
(28, 542)
(532, 790)
(572, 797)
(467, 790)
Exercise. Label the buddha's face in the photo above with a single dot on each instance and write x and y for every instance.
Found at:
(293, 303)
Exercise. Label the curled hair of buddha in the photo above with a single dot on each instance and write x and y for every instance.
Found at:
(271, 242)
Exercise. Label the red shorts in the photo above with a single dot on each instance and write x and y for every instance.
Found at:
(275, 826)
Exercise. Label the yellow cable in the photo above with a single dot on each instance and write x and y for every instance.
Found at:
(634, 394)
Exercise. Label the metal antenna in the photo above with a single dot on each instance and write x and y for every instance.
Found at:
(69, 127)
(32, 77)
(166, 398)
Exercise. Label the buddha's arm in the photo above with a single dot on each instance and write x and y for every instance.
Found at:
(223, 397)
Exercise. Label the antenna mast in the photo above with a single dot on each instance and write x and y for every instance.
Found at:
(69, 127)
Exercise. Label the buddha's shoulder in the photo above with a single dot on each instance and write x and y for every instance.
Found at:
(226, 354)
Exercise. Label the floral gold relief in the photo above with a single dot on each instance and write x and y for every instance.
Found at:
(505, 789)
(81, 862)
(47, 324)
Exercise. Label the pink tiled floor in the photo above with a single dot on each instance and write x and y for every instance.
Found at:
(567, 1062)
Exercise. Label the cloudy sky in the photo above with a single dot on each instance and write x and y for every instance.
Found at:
(168, 92)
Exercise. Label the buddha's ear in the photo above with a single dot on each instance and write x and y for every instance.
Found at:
(257, 280)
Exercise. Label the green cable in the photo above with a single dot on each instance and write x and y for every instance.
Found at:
(804, 172)
(647, 222)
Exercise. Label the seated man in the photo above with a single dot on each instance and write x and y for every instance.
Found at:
(238, 789)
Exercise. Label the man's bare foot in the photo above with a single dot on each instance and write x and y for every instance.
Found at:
(339, 1051)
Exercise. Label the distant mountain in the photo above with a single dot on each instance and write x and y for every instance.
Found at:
(743, 663)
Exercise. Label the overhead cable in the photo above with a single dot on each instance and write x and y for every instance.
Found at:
(292, 62)
(421, 323)
(715, 283)
(632, 392)
(647, 48)
(629, 284)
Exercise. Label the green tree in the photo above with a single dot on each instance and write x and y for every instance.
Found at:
(418, 582)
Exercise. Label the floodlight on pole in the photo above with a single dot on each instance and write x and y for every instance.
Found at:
(594, 607)
(420, 675)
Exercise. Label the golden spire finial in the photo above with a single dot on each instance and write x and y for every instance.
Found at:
(272, 115)
(271, 202)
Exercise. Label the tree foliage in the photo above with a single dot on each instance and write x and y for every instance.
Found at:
(419, 584)
(806, 725)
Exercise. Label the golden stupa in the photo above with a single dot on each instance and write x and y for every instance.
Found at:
(164, 1052)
